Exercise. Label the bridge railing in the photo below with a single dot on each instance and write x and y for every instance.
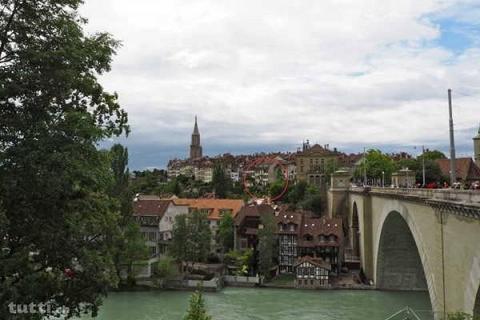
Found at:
(466, 196)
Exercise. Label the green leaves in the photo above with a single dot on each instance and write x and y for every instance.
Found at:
(196, 309)
(55, 186)
(191, 237)
(266, 244)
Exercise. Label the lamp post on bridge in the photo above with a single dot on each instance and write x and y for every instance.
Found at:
(383, 179)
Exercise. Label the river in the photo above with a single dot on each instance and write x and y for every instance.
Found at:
(263, 304)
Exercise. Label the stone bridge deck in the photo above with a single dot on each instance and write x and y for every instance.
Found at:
(461, 202)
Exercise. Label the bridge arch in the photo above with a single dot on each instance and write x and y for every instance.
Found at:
(400, 257)
(354, 224)
(476, 308)
(398, 262)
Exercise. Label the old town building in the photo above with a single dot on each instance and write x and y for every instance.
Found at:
(247, 222)
(312, 273)
(214, 209)
(476, 148)
(300, 234)
(156, 217)
(466, 169)
(314, 162)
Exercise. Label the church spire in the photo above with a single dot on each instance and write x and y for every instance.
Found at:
(195, 147)
(195, 128)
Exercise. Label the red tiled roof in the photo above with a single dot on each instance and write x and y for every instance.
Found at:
(142, 207)
(466, 169)
(214, 206)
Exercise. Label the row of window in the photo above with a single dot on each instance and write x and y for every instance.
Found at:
(311, 271)
(321, 238)
(311, 282)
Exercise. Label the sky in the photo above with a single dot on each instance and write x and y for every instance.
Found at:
(266, 75)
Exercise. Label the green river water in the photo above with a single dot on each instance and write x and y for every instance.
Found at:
(263, 304)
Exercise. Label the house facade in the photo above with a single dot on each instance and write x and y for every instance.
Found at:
(313, 162)
(247, 222)
(147, 212)
(312, 273)
(214, 208)
(301, 234)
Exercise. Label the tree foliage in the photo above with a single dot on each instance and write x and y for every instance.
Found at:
(196, 309)
(266, 244)
(127, 241)
(54, 184)
(225, 231)
(221, 184)
(191, 237)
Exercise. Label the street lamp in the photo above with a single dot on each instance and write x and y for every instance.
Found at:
(423, 166)
(383, 179)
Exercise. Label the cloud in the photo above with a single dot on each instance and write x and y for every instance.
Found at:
(275, 72)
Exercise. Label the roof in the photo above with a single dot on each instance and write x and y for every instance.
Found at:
(253, 210)
(309, 224)
(315, 261)
(466, 169)
(214, 206)
(318, 150)
(154, 207)
(195, 128)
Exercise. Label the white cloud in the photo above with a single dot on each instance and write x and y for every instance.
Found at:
(275, 71)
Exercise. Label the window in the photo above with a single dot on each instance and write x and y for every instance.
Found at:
(152, 236)
(153, 251)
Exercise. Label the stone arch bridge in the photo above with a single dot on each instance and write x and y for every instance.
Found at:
(417, 239)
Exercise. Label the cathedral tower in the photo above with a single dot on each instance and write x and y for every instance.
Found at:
(195, 147)
(476, 148)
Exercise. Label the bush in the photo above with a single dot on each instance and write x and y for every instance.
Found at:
(213, 258)
(165, 268)
(461, 316)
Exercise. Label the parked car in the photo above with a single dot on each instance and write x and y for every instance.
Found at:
(432, 185)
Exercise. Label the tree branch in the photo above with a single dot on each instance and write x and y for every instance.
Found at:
(4, 38)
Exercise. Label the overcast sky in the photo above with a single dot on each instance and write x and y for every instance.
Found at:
(264, 75)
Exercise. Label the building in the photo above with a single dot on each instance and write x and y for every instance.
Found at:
(165, 226)
(301, 234)
(312, 273)
(314, 162)
(147, 212)
(476, 148)
(195, 147)
(466, 169)
(247, 222)
(214, 208)
(404, 178)
(156, 217)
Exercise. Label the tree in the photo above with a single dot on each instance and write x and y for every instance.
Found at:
(191, 237)
(377, 165)
(54, 183)
(313, 203)
(220, 182)
(179, 247)
(199, 236)
(127, 241)
(433, 155)
(297, 193)
(266, 244)
(196, 309)
(225, 231)
(165, 268)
